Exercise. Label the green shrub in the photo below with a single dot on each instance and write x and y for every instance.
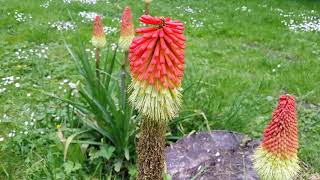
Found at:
(108, 122)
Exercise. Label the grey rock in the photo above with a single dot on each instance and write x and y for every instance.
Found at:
(215, 155)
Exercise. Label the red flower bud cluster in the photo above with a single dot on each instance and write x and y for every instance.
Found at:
(281, 135)
(157, 56)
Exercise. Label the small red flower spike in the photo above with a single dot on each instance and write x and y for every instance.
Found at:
(127, 29)
(157, 67)
(98, 36)
(276, 158)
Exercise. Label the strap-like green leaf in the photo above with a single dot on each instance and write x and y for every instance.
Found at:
(68, 141)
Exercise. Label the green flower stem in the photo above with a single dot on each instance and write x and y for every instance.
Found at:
(147, 8)
(123, 79)
(98, 63)
(150, 149)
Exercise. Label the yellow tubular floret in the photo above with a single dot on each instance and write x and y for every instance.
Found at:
(98, 42)
(271, 167)
(158, 105)
(125, 41)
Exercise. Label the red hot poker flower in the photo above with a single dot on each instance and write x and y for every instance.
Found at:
(276, 158)
(281, 135)
(127, 29)
(157, 66)
(158, 55)
(98, 36)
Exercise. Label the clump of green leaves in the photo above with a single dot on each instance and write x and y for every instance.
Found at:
(108, 121)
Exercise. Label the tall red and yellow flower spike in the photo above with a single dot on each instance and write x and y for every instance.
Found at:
(157, 67)
(98, 36)
(276, 158)
(127, 29)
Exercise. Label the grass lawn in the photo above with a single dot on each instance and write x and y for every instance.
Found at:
(240, 56)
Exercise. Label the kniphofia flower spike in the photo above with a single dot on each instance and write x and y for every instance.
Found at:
(276, 158)
(157, 67)
(98, 36)
(127, 29)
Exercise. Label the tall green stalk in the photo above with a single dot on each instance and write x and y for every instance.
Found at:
(97, 55)
(123, 79)
(150, 149)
